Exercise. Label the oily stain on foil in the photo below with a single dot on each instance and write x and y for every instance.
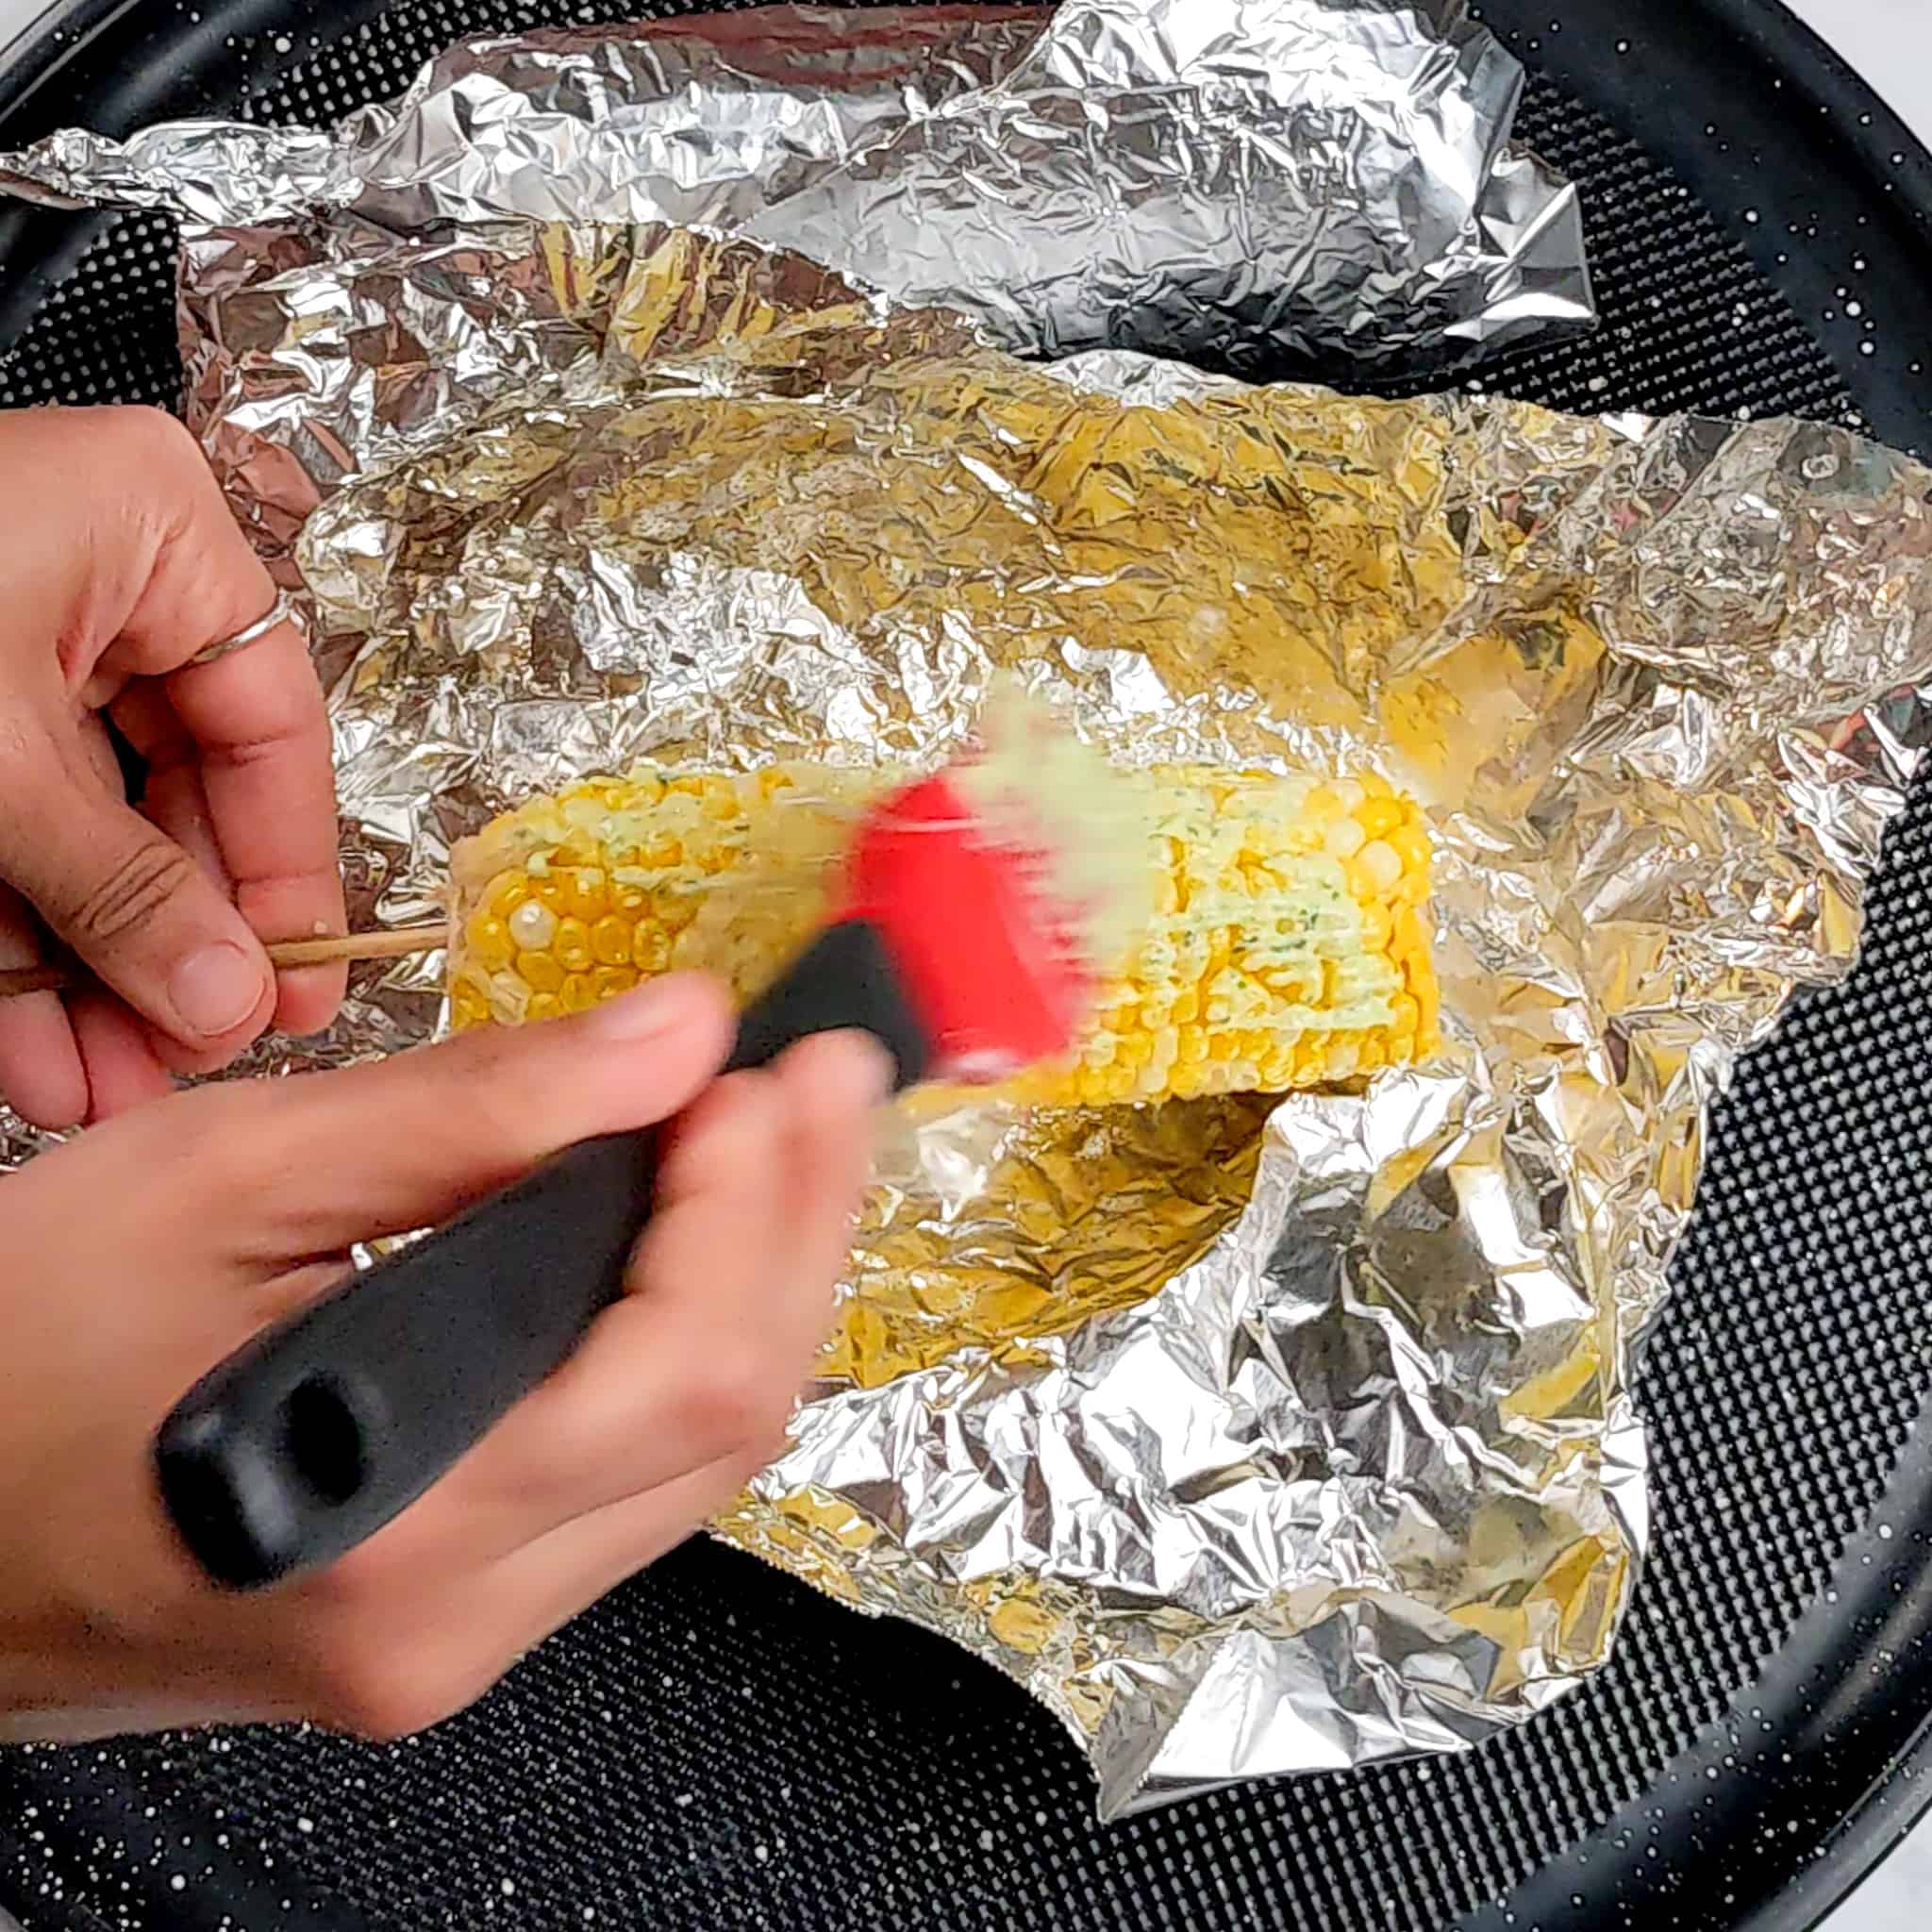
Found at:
(1107, 1204)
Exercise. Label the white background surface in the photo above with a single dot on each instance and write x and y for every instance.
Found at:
(1891, 42)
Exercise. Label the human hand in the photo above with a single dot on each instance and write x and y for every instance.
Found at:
(119, 561)
(236, 1203)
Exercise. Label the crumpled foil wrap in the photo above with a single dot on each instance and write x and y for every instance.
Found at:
(1252, 1437)
(1232, 180)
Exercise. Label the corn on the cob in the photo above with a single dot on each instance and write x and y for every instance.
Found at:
(1288, 947)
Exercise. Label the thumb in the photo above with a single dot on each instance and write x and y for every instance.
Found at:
(337, 1158)
(138, 910)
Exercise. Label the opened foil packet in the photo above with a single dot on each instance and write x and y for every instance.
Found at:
(1252, 1436)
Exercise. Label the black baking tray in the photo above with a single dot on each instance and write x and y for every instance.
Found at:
(714, 1746)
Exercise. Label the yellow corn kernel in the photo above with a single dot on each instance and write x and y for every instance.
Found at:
(1374, 871)
(539, 972)
(1379, 817)
(1410, 845)
(610, 942)
(650, 947)
(488, 942)
(1343, 839)
(507, 893)
(467, 1008)
(583, 892)
(572, 945)
(1286, 946)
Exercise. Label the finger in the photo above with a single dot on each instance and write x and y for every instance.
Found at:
(254, 782)
(838, 1081)
(123, 1068)
(177, 805)
(260, 744)
(699, 1357)
(173, 801)
(307, 997)
(172, 796)
(677, 1375)
(545, 1584)
(136, 906)
(41, 1078)
(298, 1287)
(329, 1159)
(383, 1657)
(169, 572)
(732, 1295)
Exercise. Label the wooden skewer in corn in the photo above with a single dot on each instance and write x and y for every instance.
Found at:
(17, 980)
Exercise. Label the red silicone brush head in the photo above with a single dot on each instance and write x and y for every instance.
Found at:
(1004, 888)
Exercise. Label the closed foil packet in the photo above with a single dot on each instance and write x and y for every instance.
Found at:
(1252, 1437)
(1329, 182)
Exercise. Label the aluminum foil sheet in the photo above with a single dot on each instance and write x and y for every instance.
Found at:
(1252, 1438)
(1237, 180)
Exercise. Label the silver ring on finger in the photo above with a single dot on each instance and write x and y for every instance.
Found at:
(283, 612)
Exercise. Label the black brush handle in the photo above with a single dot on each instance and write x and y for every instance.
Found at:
(307, 1440)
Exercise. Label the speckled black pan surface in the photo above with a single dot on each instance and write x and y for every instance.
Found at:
(715, 1748)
